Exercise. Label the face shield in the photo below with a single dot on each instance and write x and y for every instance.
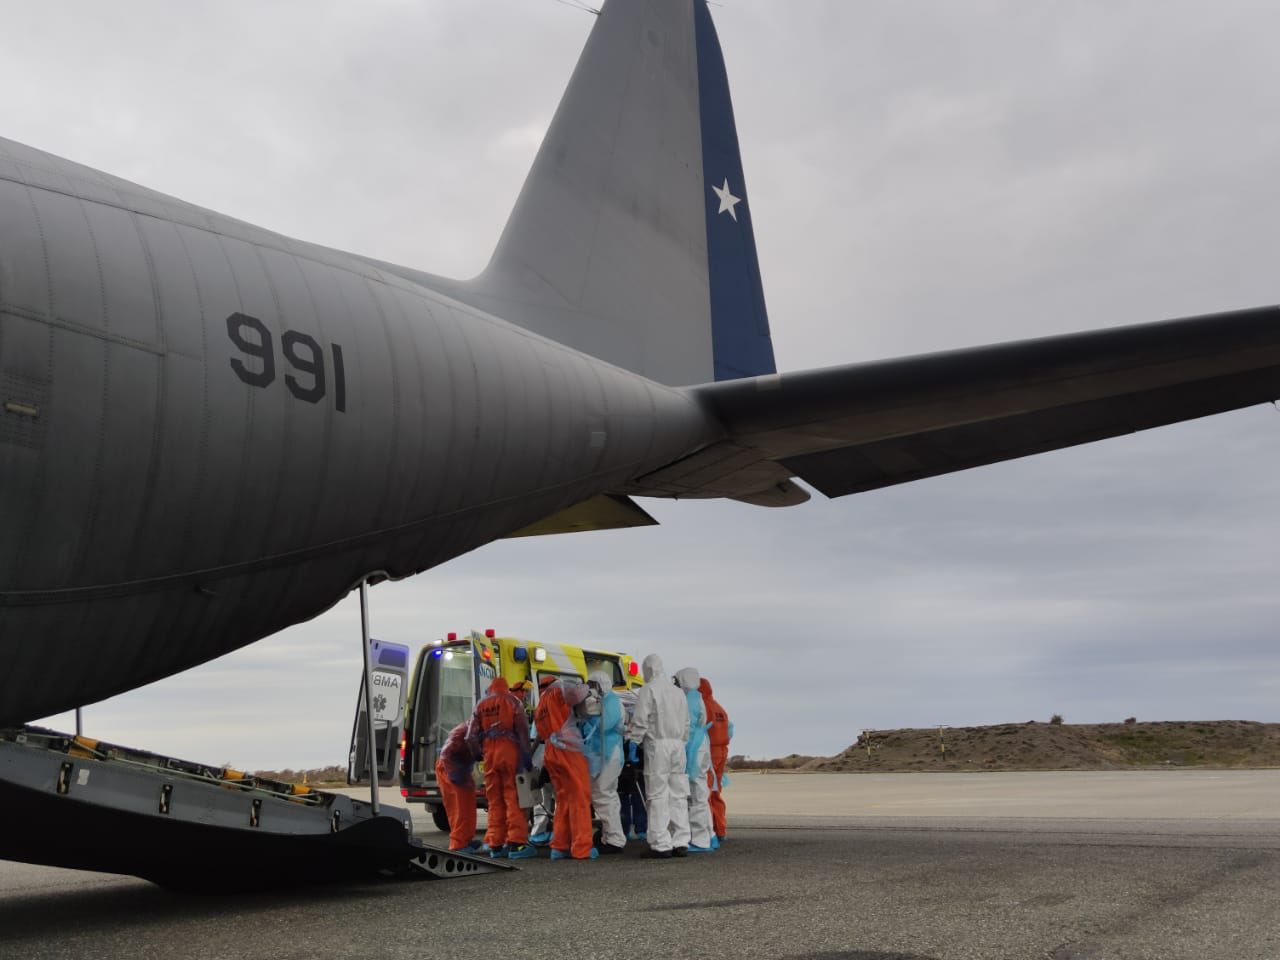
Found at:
(574, 691)
(591, 706)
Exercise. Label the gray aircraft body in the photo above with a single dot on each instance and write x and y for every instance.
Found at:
(210, 431)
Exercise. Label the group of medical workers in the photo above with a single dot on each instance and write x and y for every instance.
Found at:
(649, 762)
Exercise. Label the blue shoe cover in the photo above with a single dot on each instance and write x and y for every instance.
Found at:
(497, 853)
(523, 851)
(559, 855)
(715, 843)
(594, 854)
(642, 837)
(694, 848)
(540, 839)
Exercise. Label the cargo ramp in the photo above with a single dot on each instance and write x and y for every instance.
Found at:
(70, 801)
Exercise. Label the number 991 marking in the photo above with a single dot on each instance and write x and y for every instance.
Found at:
(304, 355)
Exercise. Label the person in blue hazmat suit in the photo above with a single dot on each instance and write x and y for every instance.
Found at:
(602, 733)
(660, 727)
(697, 763)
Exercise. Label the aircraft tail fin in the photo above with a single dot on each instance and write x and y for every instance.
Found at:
(632, 237)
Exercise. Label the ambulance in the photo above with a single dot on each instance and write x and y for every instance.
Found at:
(449, 676)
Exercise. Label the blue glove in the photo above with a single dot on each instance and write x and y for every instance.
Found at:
(724, 781)
(730, 729)
(632, 754)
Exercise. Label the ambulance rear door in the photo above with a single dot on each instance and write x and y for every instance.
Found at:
(389, 665)
(451, 676)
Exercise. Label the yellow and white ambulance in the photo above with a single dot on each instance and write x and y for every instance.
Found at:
(450, 675)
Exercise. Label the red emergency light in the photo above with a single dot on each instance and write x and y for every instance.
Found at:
(633, 668)
(451, 637)
(491, 633)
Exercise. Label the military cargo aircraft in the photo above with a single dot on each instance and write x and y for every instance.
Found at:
(209, 431)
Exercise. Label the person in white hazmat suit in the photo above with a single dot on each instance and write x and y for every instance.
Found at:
(660, 725)
(697, 763)
(602, 732)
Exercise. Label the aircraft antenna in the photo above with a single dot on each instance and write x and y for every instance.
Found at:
(579, 5)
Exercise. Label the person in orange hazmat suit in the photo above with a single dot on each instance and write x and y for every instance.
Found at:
(567, 766)
(455, 773)
(500, 729)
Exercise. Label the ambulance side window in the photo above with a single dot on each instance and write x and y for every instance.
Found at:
(608, 665)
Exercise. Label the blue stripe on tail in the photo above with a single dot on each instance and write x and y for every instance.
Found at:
(741, 343)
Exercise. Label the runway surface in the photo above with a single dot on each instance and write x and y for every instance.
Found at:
(1149, 865)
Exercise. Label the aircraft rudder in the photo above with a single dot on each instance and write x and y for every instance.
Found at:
(742, 342)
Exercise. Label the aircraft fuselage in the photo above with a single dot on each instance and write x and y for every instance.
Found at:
(212, 431)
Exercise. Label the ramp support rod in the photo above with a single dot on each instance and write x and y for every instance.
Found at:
(368, 697)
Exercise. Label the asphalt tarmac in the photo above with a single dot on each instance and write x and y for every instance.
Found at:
(1180, 866)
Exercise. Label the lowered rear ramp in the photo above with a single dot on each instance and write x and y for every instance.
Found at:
(80, 804)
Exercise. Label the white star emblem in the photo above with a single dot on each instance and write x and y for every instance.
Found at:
(727, 200)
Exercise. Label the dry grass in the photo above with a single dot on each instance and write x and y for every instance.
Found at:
(1220, 744)
(317, 777)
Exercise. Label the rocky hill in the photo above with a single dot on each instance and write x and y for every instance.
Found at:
(1049, 746)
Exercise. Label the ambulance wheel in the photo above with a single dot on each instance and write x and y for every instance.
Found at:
(440, 817)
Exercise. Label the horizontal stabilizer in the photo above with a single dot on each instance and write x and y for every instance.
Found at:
(604, 512)
(859, 427)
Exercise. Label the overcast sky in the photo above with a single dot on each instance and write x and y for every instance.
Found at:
(922, 176)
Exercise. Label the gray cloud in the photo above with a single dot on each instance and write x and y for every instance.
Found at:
(922, 177)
